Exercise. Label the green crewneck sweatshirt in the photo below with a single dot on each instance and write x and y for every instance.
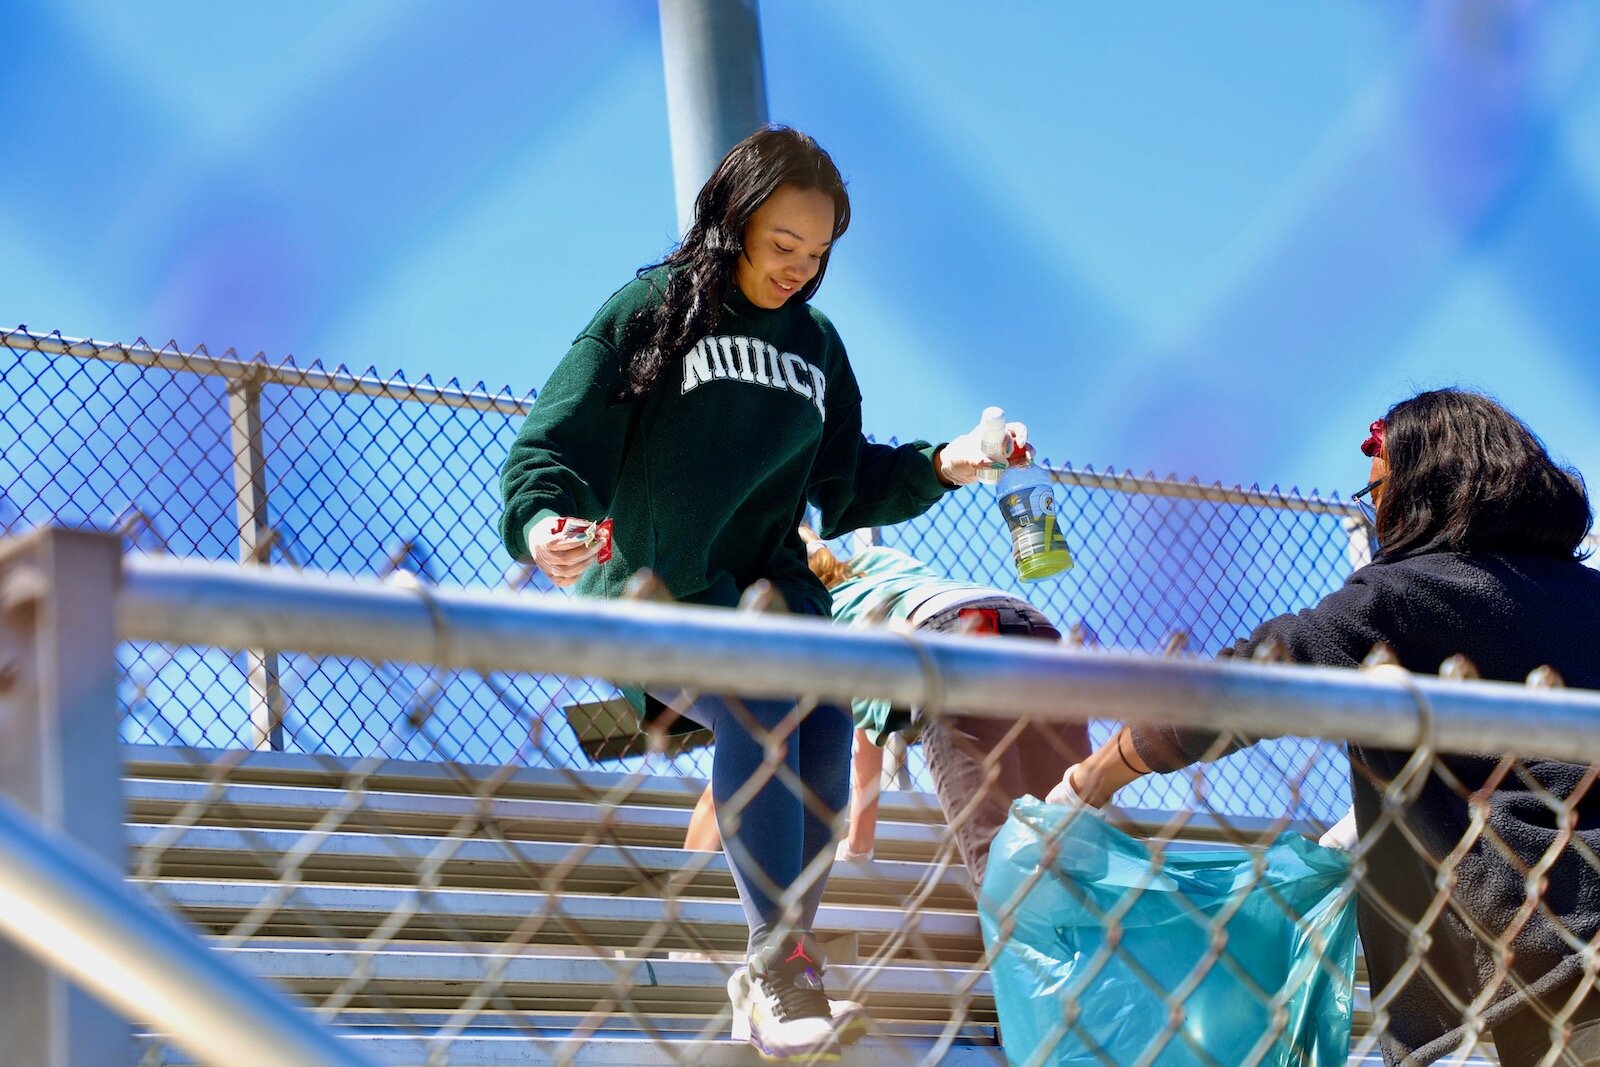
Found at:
(724, 453)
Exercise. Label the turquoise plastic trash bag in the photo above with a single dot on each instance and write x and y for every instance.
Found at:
(1059, 880)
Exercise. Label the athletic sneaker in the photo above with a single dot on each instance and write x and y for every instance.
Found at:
(850, 1020)
(779, 1005)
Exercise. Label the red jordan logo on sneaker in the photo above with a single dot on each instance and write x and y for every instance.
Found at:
(799, 953)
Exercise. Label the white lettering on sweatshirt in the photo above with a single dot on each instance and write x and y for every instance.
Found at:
(749, 359)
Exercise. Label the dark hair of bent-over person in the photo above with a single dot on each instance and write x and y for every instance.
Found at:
(701, 269)
(1466, 475)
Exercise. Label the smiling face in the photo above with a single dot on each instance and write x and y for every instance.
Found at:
(784, 243)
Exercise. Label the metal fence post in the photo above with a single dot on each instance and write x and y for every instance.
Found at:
(716, 87)
(60, 760)
(1360, 535)
(255, 546)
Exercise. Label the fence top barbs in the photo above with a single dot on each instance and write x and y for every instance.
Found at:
(1176, 488)
(261, 372)
(221, 605)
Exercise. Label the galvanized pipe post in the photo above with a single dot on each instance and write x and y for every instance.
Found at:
(61, 762)
(716, 87)
(86, 920)
(1359, 535)
(264, 687)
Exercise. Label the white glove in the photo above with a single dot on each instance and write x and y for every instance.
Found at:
(962, 459)
(1063, 793)
(842, 854)
(1342, 834)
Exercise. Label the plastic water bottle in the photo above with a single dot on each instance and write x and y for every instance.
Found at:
(1028, 503)
(992, 439)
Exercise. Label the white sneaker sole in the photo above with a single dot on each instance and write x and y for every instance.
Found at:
(828, 1053)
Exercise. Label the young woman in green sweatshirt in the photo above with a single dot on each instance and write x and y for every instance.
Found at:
(700, 411)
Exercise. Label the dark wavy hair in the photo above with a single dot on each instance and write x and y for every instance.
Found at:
(700, 271)
(1466, 475)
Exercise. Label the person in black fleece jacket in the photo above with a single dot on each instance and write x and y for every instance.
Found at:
(1478, 534)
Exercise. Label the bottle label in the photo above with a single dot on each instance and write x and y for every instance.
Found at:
(1031, 517)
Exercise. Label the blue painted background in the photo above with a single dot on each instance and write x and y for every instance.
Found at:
(1213, 239)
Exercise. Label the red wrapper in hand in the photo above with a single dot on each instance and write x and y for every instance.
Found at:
(594, 531)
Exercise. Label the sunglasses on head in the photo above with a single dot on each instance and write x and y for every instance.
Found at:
(1363, 500)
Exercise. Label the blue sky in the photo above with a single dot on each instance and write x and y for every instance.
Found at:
(1210, 239)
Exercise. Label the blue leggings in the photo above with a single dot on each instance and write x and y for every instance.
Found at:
(769, 833)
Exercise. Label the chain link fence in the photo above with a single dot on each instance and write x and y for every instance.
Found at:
(220, 458)
(435, 912)
(474, 867)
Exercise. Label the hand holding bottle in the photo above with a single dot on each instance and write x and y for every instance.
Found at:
(964, 460)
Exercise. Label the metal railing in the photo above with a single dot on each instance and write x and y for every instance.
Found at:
(78, 917)
(61, 891)
(556, 915)
(770, 656)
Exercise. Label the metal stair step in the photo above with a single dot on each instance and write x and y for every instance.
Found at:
(408, 776)
(945, 937)
(591, 1051)
(667, 793)
(481, 863)
(534, 1022)
(263, 806)
(683, 989)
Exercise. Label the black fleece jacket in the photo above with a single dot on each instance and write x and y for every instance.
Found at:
(1508, 613)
